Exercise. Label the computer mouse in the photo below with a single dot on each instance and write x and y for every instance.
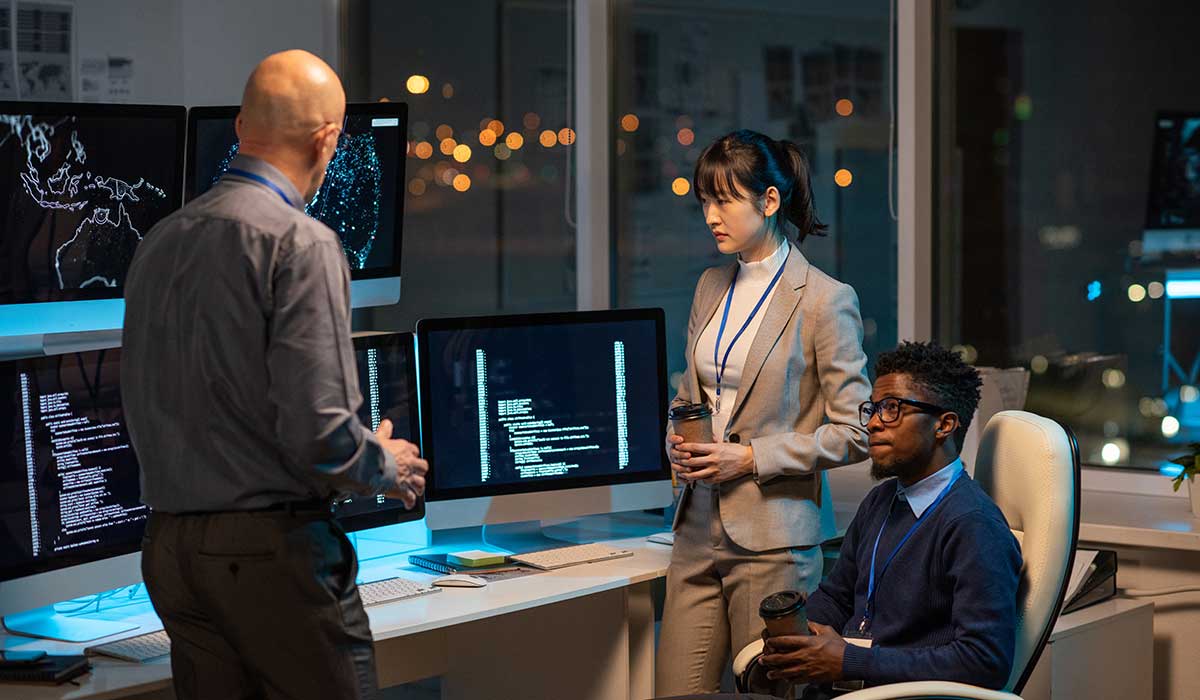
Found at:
(460, 581)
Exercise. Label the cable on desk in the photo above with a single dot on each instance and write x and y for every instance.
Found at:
(1155, 592)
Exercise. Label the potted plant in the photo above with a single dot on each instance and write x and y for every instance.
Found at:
(1191, 467)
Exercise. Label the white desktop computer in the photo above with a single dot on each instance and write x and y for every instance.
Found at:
(71, 517)
(387, 379)
(80, 186)
(76, 198)
(362, 198)
(538, 417)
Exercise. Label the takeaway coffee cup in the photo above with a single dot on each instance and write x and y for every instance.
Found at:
(692, 422)
(784, 614)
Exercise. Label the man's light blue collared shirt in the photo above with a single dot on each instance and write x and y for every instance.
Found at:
(922, 494)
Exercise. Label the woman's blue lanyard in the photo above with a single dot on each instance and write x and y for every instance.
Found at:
(260, 180)
(870, 608)
(725, 318)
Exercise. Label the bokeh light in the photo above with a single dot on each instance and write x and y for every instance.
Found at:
(418, 84)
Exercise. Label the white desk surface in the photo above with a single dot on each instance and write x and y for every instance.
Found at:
(1158, 522)
(1096, 615)
(454, 606)
(111, 678)
(1108, 517)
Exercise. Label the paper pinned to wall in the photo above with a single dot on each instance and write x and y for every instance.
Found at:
(44, 51)
(93, 78)
(106, 79)
(120, 79)
(8, 64)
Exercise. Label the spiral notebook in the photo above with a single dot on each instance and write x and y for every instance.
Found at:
(439, 563)
(51, 669)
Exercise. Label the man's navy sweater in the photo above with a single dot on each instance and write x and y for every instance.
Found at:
(946, 607)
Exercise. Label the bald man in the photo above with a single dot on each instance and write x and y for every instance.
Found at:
(240, 393)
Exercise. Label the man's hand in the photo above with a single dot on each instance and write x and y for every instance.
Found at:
(714, 463)
(410, 468)
(814, 659)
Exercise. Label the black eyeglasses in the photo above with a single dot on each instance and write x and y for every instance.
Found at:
(888, 409)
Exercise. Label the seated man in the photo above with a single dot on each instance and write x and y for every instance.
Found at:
(927, 577)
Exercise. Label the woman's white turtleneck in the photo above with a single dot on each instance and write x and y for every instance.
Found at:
(752, 281)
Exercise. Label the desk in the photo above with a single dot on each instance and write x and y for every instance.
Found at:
(1157, 540)
(1103, 652)
(585, 630)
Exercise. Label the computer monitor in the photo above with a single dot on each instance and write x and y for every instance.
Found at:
(80, 185)
(362, 198)
(1173, 208)
(71, 516)
(543, 416)
(387, 377)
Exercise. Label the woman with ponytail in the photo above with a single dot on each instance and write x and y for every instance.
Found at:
(775, 351)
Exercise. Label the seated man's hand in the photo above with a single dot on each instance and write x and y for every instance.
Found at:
(410, 468)
(813, 659)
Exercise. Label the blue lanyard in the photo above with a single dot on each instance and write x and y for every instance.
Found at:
(725, 318)
(862, 627)
(260, 180)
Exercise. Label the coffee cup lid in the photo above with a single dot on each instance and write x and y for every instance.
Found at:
(781, 604)
(689, 410)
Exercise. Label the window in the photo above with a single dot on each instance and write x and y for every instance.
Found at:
(814, 73)
(488, 218)
(1049, 256)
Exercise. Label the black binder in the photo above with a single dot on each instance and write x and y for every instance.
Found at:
(1100, 584)
(50, 669)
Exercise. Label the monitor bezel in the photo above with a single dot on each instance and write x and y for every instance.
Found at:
(381, 518)
(97, 552)
(427, 326)
(94, 110)
(398, 110)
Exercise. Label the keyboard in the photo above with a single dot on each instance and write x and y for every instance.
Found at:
(667, 538)
(392, 589)
(139, 649)
(570, 556)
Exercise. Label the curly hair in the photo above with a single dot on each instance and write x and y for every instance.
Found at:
(950, 382)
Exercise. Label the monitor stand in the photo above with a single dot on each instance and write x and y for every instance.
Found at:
(369, 548)
(521, 538)
(44, 623)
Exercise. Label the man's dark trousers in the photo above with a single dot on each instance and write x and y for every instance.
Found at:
(259, 605)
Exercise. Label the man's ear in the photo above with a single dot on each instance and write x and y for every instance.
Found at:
(327, 141)
(947, 425)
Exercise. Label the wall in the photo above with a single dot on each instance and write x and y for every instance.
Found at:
(199, 53)
(224, 39)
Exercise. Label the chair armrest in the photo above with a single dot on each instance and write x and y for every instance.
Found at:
(745, 656)
(928, 689)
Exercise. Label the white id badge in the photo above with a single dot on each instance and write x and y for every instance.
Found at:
(865, 643)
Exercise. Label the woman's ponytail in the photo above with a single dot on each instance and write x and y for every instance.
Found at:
(800, 208)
